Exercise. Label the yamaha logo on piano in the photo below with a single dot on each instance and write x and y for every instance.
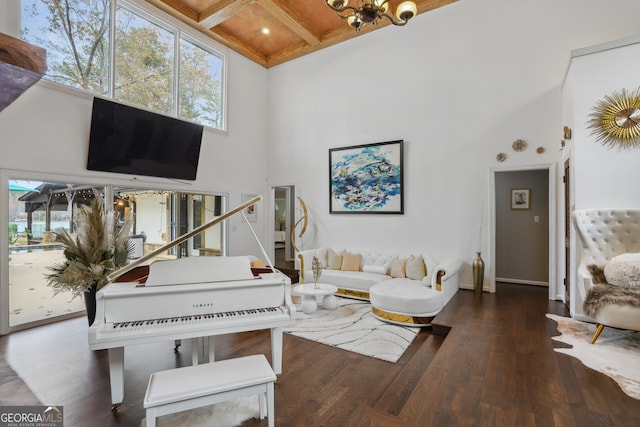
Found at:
(201, 305)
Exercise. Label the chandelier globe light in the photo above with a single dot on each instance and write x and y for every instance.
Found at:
(372, 11)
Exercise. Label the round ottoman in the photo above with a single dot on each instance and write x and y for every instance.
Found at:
(405, 302)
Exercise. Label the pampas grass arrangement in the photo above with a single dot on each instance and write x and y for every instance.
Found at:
(100, 247)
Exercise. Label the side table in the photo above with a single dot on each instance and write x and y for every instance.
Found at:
(309, 292)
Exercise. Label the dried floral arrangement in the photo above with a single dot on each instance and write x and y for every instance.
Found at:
(100, 247)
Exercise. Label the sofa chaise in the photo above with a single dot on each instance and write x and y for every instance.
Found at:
(404, 289)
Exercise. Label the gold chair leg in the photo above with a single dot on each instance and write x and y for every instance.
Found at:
(597, 333)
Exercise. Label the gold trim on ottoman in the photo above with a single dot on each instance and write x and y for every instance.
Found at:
(403, 319)
(352, 294)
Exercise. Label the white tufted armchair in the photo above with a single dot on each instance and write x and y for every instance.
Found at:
(605, 234)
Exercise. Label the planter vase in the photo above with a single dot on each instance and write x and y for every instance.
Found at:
(90, 304)
(478, 274)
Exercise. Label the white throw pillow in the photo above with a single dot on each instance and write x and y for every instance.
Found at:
(624, 270)
(415, 268)
(334, 260)
(379, 269)
(379, 262)
(398, 268)
(321, 254)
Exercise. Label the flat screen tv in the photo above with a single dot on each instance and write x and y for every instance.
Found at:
(129, 140)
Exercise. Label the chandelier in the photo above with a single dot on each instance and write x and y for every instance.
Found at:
(372, 11)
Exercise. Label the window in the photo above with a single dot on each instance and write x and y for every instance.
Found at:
(144, 59)
(76, 36)
(200, 84)
(138, 59)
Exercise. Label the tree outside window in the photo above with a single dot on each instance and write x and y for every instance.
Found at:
(77, 38)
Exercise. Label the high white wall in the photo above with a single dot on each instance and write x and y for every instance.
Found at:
(46, 131)
(459, 85)
(602, 177)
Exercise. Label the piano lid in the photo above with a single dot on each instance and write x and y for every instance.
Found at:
(140, 261)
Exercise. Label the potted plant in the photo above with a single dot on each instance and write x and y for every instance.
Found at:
(101, 246)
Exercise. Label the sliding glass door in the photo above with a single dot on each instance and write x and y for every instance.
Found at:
(37, 208)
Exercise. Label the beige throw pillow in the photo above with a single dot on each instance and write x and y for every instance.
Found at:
(415, 268)
(334, 260)
(398, 268)
(350, 262)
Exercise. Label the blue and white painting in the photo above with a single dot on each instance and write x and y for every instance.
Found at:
(366, 178)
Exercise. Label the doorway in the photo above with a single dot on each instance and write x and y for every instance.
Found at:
(283, 214)
(523, 247)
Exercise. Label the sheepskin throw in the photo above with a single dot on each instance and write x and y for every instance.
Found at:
(603, 294)
(624, 270)
(597, 274)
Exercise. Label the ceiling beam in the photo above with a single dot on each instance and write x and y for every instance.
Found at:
(281, 12)
(221, 11)
(175, 8)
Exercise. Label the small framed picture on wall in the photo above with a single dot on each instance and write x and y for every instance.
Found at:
(521, 198)
(251, 212)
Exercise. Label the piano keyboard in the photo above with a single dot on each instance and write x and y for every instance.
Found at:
(197, 320)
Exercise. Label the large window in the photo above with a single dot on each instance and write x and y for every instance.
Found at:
(136, 57)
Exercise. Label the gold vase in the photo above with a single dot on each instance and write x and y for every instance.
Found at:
(478, 274)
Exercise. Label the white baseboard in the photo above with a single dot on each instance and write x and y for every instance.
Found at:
(523, 282)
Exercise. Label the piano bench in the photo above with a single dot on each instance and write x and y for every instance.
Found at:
(180, 389)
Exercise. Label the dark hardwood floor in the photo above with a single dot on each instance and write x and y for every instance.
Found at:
(496, 367)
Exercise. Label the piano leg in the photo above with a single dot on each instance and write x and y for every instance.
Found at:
(276, 350)
(211, 343)
(195, 351)
(176, 344)
(116, 377)
(202, 347)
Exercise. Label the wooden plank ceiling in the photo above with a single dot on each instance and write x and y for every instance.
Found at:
(296, 27)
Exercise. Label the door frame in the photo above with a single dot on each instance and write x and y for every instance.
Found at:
(492, 226)
(290, 220)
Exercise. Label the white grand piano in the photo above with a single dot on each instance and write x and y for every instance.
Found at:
(189, 298)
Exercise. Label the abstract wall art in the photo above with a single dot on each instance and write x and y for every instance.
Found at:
(367, 178)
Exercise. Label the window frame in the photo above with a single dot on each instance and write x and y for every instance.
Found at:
(169, 23)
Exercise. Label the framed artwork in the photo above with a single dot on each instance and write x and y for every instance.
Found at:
(367, 179)
(252, 211)
(521, 198)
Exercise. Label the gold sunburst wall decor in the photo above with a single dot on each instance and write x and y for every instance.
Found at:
(615, 120)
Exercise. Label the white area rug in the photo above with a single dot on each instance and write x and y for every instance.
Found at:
(352, 326)
(616, 353)
(225, 414)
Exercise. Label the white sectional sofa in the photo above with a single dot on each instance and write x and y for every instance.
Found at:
(408, 289)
